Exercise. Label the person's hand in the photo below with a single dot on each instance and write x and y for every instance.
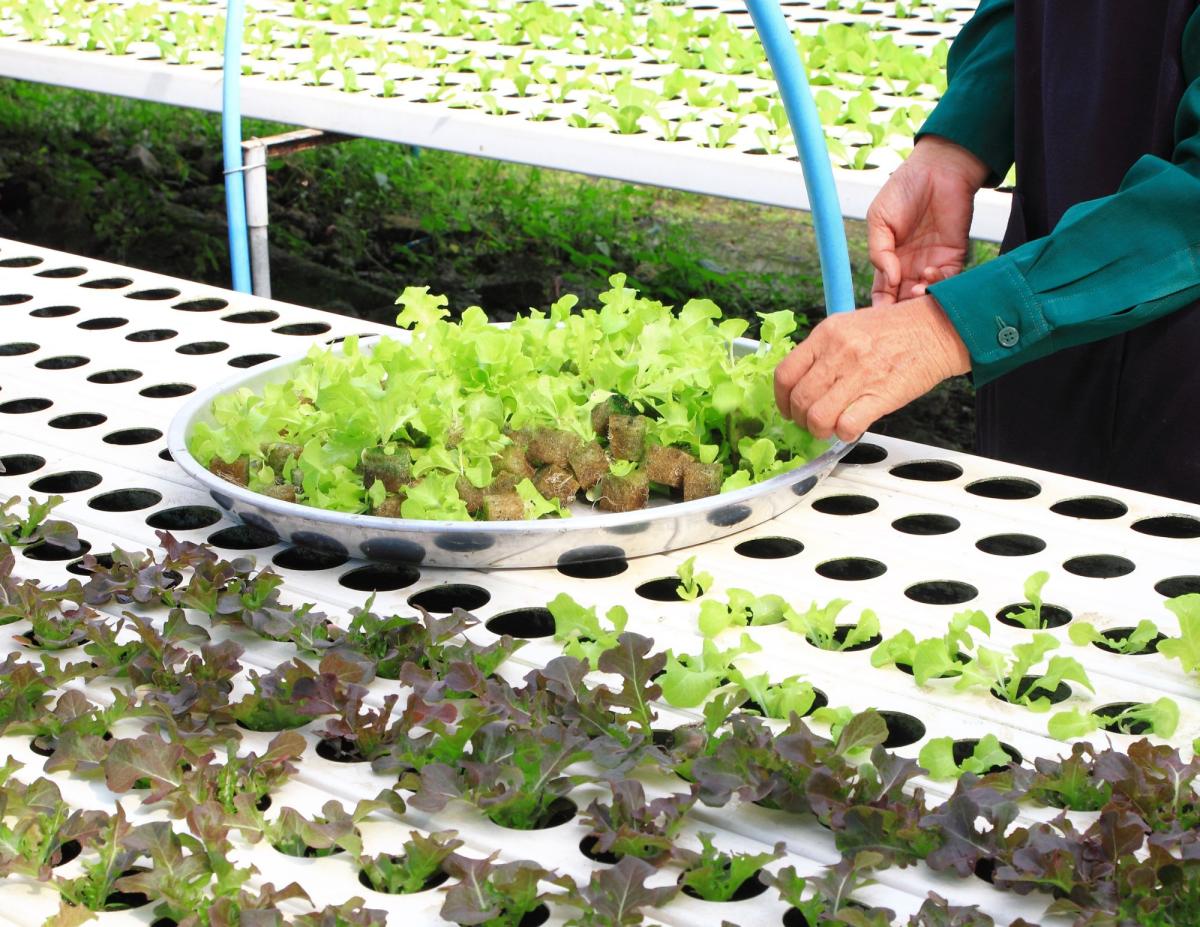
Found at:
(858, 366)
(918, 226)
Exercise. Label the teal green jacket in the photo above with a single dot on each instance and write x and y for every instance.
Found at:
(1110, 265)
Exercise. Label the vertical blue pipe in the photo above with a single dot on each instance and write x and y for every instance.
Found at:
(814, 155)
(231, 142)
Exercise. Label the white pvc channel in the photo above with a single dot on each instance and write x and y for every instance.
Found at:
(453, 125)
(31, 371)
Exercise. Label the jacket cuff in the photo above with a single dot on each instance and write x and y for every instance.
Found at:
(997, 315)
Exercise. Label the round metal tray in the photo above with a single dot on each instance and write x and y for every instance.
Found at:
(587, 535)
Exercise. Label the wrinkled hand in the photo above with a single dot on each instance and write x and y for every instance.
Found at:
(858, 366)
(919, 224)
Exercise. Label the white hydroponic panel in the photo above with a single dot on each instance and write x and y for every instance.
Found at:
(94, 359)
(476, 80)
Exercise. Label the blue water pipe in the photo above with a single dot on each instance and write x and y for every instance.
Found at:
(814, 155)
(231, 144)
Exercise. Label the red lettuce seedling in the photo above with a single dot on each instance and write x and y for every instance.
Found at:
(496, 894)
(35, 527)
(716, 876)
(412, 870)
(37, 826)
(616, 896)
(631, 826)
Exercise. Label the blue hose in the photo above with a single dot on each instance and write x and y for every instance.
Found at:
(231, 143)
(814, 155)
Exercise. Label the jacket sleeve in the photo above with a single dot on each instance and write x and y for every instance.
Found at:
(976, 111)
(1110, 265)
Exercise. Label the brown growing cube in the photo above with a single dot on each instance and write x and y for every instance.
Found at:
(470, 494)
(613, 405)
(278, 453)
(557, 483)
(551, 446)
(285, 492)
(624, 493)
(505, 482)
(390, 506)
(665, 465)
(393, 470)
(511, 459)
(701, 479)
(589, 463)
(236, 472)
(503, 506)
(627, 436)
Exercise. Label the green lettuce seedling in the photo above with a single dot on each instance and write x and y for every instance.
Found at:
(819, 626)
(1083, 633)
(688, 679)
(937, 757)
(692, 585)
(1004, 676)
(934, 657)
(716, 876)
(1030, 616)
(1161, 715)
(1186, 647)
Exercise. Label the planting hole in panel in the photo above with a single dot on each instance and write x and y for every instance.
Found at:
(1177, 585)
(926, 524)
(253, 317)
(109, 377)
(928, 471)
(1011, 545)
(25, 406)
(107, 283)
(303, 328)
(67, 481)
(598, 562)
(251, 360)
(102, 324)
(63, 362)
(776, 548)
(151, 335)
(131, 436)
(751, 888)
(208, 304)
(962, 749)
(78, 420)
(379, 578)
(663, 589)
(184, 518)
(851, 569)
(1169, 526)
(1093, 507)
(46, 551)
(202, 347)
(14, 299)
(903, 729)
(125, 500)
(54, 312)
(243, 537)
(941, 592)
(1112, 711)
(587, 846)
(17, 348)
(307, 558)
(1099, 566)
(865, 454)
(1059, 693)
(20, 464)
(159, 293)
(845, 505)
(27, 261)
(1004, 487)
(61, 273)
(337, 750)
(167, 390)
(1053, 616)
(524, 623)
(441, 600)
(1117, 636)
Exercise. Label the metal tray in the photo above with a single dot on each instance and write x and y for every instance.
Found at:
(586, 536)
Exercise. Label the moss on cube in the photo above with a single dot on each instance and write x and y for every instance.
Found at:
(613, 405)
(701, 479)
(471, 495)
(393, 470)
(589, 463)
(512, 460)
(503, 506)
(551, 447)
(665, 465)
(390, 506)
(285, 492)
(624, 493)
(556, 483)
(277, 454)
(627, 436)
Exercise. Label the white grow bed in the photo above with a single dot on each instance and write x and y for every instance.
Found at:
(148, 323)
